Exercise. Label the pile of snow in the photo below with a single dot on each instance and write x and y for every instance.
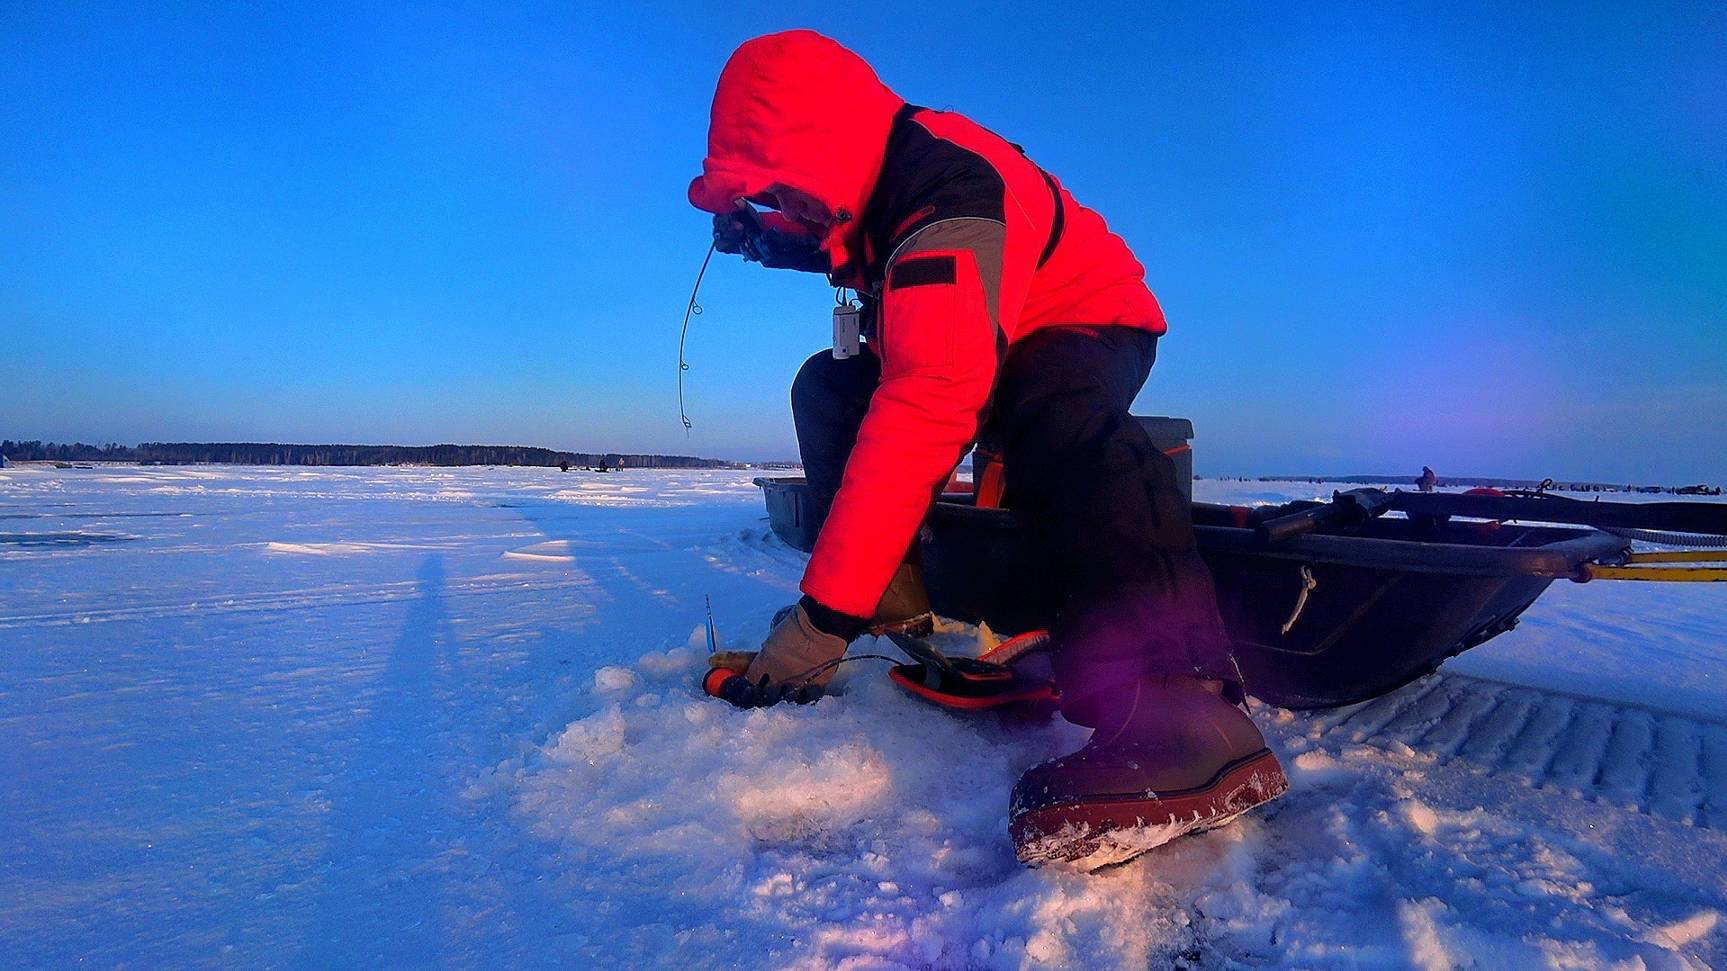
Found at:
(865, 824)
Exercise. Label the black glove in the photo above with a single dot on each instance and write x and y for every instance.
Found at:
(759, 240)
(737, 690)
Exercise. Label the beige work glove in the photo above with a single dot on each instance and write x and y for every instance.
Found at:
(794, 649)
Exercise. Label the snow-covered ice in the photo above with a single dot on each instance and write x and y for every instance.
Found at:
(393, 717)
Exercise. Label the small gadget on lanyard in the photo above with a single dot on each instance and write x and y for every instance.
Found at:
(848, 326)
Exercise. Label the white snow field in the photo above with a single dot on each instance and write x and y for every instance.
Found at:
(408, 717)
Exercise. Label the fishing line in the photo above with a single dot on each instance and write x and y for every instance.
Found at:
(803, 679)
(693, 310)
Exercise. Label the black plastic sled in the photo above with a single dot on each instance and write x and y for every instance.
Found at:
(1327, 603)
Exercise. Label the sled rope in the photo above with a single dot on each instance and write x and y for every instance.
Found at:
(1308, 583)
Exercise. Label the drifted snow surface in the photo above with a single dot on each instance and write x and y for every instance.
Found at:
(394, 717)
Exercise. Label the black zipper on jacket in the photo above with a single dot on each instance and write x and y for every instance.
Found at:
(1058, 222)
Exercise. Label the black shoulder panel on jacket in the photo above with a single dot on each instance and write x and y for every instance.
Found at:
(925, 179)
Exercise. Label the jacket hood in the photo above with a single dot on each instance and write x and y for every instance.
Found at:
(798, 109)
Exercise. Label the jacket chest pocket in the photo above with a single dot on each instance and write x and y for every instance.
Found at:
(932, 302)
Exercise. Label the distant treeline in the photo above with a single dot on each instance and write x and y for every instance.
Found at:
(1494, 483)
(258, 453)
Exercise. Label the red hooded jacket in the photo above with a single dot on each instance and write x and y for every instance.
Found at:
(960, 246)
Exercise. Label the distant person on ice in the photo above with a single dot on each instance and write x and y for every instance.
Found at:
(994, 304)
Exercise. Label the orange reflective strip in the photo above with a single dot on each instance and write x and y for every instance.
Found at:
(990, 485)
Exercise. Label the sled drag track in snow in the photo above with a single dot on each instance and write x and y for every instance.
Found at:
(1628, 756)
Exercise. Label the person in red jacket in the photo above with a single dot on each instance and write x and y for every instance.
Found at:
(994, 304)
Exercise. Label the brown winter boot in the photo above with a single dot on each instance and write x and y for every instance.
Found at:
(1169, 757)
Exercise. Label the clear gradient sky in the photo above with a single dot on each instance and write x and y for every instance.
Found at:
(1491, 239)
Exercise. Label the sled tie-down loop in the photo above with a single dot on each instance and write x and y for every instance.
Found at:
(1308, 583)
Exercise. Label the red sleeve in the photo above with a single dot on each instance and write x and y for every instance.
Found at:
(939, 342)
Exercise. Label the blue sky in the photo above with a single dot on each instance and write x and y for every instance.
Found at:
(1488, 239)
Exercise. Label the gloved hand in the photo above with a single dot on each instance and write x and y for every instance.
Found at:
(771, 240)
(793, 652)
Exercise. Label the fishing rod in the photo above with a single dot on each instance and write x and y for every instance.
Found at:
(694, 309)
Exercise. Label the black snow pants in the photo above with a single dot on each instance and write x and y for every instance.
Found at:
(1100, 501)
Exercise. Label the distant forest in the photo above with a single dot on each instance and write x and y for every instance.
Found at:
(256, 453)
(1497, 483)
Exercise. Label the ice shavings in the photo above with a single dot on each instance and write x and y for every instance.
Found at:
(612, 678)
